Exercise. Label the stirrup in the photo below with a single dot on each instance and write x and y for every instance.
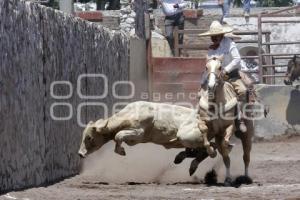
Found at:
(242, 126)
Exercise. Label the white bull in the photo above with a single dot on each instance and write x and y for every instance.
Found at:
(141, 122)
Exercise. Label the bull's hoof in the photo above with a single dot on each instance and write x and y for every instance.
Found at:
(120, 151)
(193, 167)
(180, 157)
(228, 182)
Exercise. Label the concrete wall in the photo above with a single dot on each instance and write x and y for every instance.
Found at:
(284, 116)
(39, 46)
(279, 31)
(138, 66)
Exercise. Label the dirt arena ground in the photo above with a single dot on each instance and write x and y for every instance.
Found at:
(147, 172)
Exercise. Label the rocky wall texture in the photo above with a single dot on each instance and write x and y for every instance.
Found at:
(38, 47)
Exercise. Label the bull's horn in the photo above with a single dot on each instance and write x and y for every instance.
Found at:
(100, 124)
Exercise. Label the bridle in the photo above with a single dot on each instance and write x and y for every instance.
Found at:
(211, 91)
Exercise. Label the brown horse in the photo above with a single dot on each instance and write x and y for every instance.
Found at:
(293, 71)
(218, 108)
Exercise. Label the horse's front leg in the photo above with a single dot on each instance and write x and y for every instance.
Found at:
(130, 137)
(247, 144)
(224, 151)
(210, 150)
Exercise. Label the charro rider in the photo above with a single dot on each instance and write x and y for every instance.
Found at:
(226, 47)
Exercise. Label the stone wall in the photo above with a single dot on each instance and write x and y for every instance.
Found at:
(40, 46)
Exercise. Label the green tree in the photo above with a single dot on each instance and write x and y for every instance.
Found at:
(267, 3)
(238, 3)
(275, 3)
(196, 3)
(53, 4)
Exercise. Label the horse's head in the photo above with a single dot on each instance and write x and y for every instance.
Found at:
(293, 70)
(214, 68)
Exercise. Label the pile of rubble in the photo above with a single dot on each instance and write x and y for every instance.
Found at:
(127, 17)
(79, 7)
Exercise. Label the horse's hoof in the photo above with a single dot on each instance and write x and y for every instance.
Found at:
(211, 178)
(243, 180)
(179, 158)
(228, 182)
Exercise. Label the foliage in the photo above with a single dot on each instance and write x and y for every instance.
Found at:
(267, 3)
(196, 3)
(275, 3)
(53, 4)
(238, 3)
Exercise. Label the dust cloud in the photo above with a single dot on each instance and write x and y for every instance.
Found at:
(149, 163)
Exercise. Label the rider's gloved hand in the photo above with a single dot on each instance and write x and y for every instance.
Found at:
(176, 5)
(224, 75)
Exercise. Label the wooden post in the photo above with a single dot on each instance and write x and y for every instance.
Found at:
(140, 8)
(150, 68)
(260, 59)
(176, 41)
(269, 70)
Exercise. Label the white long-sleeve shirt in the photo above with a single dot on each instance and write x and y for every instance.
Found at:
(231, 54)
(168, 6)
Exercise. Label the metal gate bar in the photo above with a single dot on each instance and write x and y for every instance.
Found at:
(267, 72)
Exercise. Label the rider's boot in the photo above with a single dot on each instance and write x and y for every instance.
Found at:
(241, 123)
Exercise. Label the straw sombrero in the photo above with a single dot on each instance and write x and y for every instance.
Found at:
(233, 36)
(216, 28)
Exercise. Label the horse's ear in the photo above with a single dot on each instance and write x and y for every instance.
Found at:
(207, 58)
(221, 58)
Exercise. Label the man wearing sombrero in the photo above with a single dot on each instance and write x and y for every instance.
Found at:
(226, 47)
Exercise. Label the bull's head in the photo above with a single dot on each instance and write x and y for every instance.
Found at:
(94, 136)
